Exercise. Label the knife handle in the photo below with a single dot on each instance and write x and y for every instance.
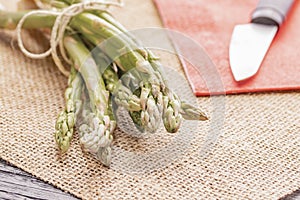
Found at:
(271, 12)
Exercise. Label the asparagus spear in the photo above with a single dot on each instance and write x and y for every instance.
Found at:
(96, 134)
(9, 20)
(67, 118)
(91, 135)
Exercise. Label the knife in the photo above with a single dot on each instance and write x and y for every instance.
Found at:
(250, 42)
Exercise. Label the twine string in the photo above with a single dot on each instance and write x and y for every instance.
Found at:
(63, 17)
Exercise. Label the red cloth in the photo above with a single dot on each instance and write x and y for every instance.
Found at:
(211, 23)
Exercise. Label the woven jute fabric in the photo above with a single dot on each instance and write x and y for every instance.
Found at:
(252, 141)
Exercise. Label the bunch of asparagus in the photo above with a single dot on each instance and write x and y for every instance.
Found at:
(119, 71)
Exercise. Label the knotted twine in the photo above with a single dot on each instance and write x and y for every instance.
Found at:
(63, 18)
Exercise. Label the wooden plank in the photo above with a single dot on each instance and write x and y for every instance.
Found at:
(294, 196)
(10, 196)
(6, 167)
(17, 184)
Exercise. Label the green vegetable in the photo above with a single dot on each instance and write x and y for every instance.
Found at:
(67, 118)
(96, 134)
(119, 71)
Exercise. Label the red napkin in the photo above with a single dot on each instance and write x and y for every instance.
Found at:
(211, 23)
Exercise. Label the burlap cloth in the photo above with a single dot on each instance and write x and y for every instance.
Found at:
(256, 155)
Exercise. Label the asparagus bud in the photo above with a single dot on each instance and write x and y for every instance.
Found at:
(191, 112)
(67, 118)
(96, 133)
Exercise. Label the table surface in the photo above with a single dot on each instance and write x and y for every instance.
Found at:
(16, 184)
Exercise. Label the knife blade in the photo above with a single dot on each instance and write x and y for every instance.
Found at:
(250, 42)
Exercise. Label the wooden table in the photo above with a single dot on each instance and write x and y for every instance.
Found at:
(16, 184)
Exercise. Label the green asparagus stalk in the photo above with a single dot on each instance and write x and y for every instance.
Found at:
(96, 134)
(9, 20)
(67, 118)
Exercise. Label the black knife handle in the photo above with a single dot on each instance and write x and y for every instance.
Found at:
(271, 12)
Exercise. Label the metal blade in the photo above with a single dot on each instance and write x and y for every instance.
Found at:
(248, 47)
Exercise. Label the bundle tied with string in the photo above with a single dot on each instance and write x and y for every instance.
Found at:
(95, 84)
